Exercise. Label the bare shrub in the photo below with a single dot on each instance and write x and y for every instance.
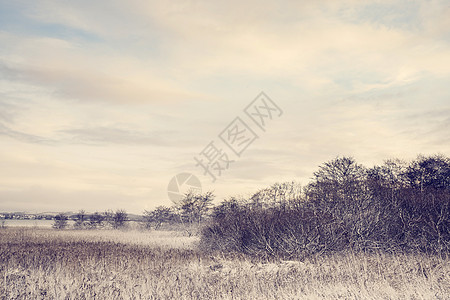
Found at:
(81, 220)
(391, 207)
(60, 221)
(119, 219)
(157, 217)
(96, 221)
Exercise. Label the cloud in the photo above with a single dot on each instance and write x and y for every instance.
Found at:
(114, 97)
(110, 135)
(99, 136)
(320, 45)
(310, 46)
(71, 82)
(24, 137)
(7, 110)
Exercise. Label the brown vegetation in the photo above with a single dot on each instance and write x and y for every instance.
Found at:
(396, 207)
(47, 264)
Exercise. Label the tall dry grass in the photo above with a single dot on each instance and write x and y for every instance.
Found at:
(46, 264)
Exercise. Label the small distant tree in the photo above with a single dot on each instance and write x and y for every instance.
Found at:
(194, 207)
(157, 217)
(119, 218)
(80, 220)
(96, 220)
(60, 221)
(109, 218)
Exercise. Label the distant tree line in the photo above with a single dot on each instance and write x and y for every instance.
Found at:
(22, 216)
(82, 220)
(192, 211)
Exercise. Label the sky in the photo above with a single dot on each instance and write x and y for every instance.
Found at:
(102, 103)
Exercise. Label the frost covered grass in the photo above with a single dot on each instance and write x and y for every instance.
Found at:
(111, 264)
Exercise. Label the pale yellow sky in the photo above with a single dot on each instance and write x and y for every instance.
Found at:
(103, 102)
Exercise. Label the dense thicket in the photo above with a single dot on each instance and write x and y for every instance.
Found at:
(396, 206)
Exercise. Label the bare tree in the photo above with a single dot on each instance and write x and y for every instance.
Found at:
(108, 217)
(339, 180)
(80, 220)
(96, 220)
(194, 207)
(60, 221)
(119, 218)
(192, 210)
(392, 174)
(431, 172)
(277, 194)
(157, 217)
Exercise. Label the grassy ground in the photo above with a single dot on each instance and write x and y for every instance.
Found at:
(49, 264)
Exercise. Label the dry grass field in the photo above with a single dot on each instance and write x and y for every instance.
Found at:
(70, 264)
